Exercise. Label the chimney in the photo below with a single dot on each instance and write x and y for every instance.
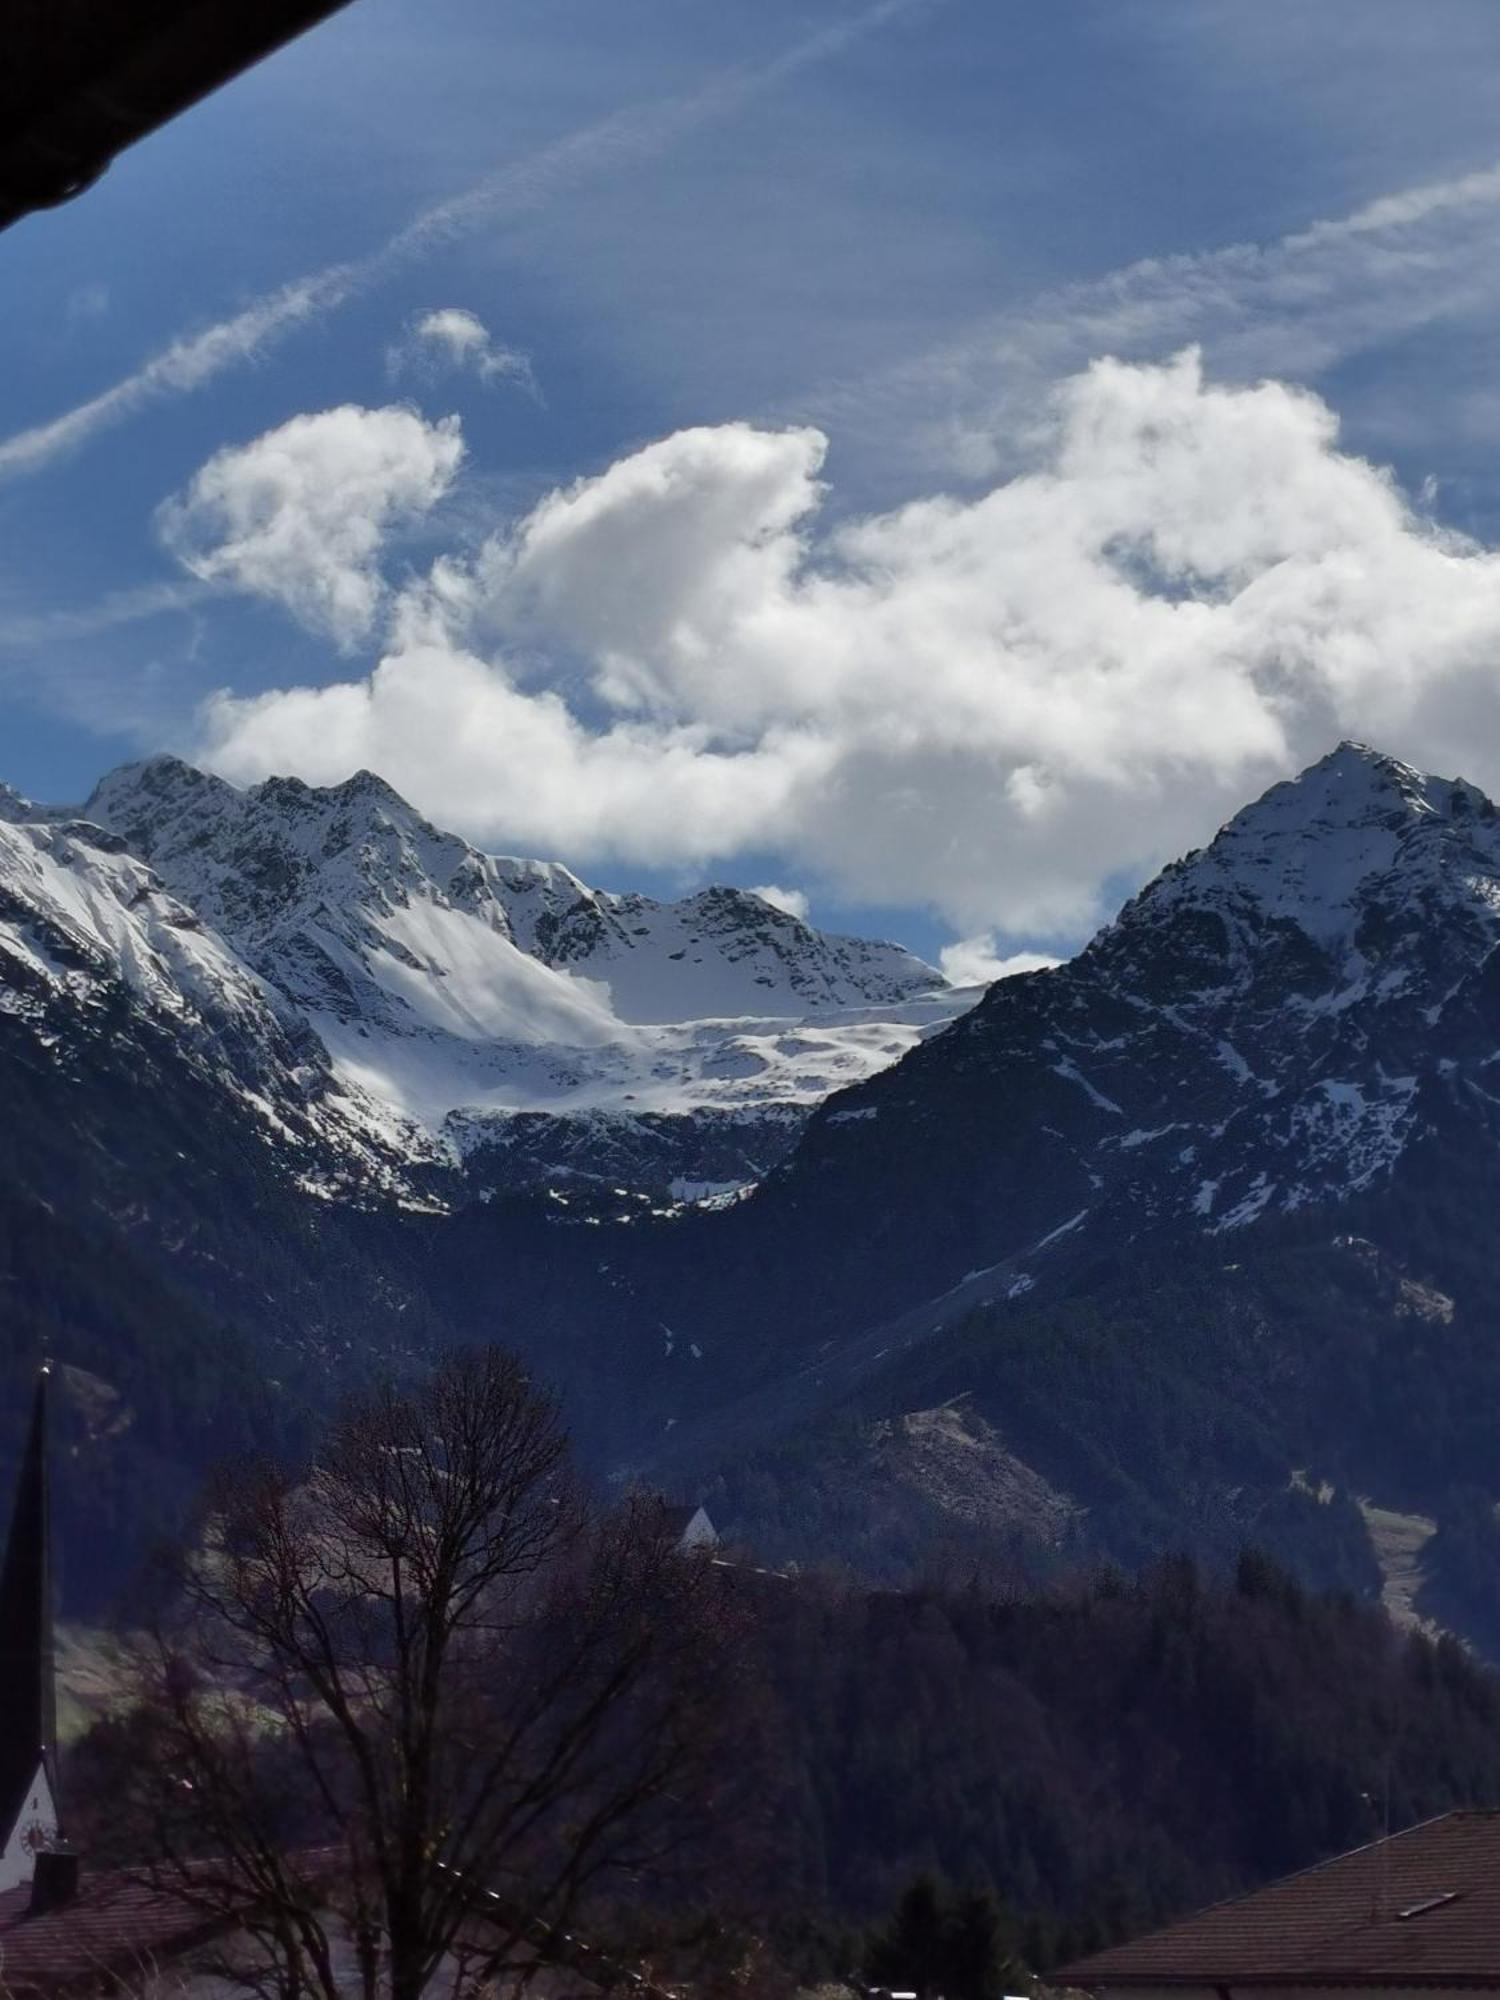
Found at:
(55, 1883)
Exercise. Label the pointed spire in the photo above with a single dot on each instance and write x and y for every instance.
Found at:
(28, 1700)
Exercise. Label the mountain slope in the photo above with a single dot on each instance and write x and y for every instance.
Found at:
(1198, 1223)
(1273, 1025)
(86, 930)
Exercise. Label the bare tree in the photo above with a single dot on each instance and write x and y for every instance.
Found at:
(417, 1709)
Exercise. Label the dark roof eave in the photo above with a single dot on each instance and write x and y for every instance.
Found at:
(1095, 1982)
(56, 143)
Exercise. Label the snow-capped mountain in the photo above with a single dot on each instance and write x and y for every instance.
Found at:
(538, 1027)
(1328, 949)
(1196, 1228)
(1275, 1024)
(1292, 995)
(88, 934)
(1255, 1033)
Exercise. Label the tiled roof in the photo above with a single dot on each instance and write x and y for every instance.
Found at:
(1421, 1908)
(115, 1925)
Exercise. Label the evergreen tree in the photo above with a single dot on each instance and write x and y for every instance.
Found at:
(911, 1953)
(979, 1949)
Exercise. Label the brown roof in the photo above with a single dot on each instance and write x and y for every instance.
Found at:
(115, 1926)
(1421, 1908)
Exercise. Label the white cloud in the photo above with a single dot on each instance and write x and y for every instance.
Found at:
(299, 514)
(995, 707)
(455, 338)
(976, 961)
(793, 901)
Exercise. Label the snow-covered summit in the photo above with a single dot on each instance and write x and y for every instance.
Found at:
(1281, 1021)
(91, 941)
(17, 808)
(1324, 949)
(463, 988)
(1356, 833)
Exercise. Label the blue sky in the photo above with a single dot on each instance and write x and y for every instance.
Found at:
(907, 227)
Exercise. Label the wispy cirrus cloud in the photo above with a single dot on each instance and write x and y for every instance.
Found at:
(1292, 307)
(23, 630)
(636, 133)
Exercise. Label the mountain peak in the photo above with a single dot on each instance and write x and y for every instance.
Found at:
(1350, 752)
(1355, 837)
(449, 981)
(1354, 781)
(1355, 788)
(139, 800)
(14, 805)
(159, 770)
(367, 784)
(363, 788)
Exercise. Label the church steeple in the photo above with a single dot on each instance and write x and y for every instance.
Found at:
(28, 1698)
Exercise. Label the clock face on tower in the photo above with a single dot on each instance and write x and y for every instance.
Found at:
(34, 1831)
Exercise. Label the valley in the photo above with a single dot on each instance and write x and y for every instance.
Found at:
(1177, 1245)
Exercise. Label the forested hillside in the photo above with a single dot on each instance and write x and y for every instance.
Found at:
(1104, 1755)
(1084, 1761)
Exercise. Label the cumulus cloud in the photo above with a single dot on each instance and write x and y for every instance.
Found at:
(452, 337)
(1002, 708)
(299, 514)
(793, 901)
(977, 961)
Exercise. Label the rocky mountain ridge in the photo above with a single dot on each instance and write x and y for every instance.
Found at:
(85, 927)
(1269, 1027)
(500, 1008)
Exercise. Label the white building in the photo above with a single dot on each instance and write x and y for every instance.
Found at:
(691, 1528)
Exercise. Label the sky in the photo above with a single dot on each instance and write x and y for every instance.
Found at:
(932, 458)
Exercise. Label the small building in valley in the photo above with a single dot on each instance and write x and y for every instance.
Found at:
(690, 1527)
(1419, 1910)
